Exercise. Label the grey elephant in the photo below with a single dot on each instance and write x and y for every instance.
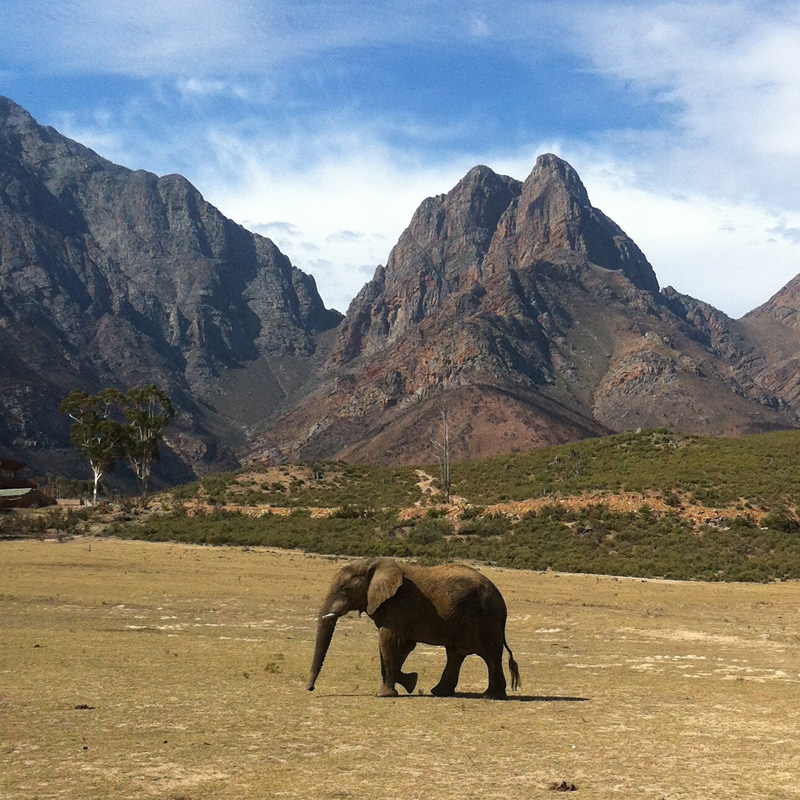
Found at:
(451, 605)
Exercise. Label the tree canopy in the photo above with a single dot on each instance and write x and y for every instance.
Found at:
(111, 425)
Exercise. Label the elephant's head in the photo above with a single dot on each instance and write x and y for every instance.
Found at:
(358, 586)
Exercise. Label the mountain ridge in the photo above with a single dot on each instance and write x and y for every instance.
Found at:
(514, 286)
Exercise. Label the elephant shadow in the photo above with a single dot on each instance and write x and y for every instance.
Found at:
(512, 698)
(521, 698)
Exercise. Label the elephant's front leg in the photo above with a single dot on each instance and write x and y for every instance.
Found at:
(393, 654)
(408, 680)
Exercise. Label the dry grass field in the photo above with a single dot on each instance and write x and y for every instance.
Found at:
(139, 670)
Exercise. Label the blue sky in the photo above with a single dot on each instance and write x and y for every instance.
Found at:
(323, 125)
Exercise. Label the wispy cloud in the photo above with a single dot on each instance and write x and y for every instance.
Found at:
(204, 88)
(787, 231)
(286, 229)
(114, 36)
(218, 36)
(731, 74)
(346, 237)
(257, 102)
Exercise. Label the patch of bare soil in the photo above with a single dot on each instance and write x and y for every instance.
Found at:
(624, 502)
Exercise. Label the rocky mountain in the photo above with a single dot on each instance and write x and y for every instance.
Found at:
(113, 277)
(531, 318)
(516, 307)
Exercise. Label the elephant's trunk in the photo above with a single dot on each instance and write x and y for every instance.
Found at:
(325, 627)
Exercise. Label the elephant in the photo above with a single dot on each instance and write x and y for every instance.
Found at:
(450, 605)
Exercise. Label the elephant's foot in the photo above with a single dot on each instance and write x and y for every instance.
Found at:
(388, 691)
(408, 680)
(495, 694)
(443, 691)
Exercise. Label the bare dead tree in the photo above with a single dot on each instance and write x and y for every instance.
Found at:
(443, 453)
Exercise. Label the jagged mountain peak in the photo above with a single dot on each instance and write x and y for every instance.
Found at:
(465, 217)
(506, 300)
(556, 217)
(487, 231)
(551, 171)
(14, 116)
(24, 141)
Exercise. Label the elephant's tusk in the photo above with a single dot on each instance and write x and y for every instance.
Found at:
(328, 616)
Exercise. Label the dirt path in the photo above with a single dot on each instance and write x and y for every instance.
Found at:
(425, 484)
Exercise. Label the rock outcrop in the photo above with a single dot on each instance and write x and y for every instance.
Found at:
(775, 328)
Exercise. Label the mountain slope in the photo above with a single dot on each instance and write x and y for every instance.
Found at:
(775, 328)
(116, 277)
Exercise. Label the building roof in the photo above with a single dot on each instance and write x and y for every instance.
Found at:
(6, 493)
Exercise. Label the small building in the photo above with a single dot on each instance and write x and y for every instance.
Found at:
(16, 492)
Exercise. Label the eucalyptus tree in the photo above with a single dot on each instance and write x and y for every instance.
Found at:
(98, 438)
(148, 411)
(110, 425)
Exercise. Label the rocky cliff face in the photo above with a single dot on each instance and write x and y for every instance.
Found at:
(531, 317)
(775, 328)
(115, 277)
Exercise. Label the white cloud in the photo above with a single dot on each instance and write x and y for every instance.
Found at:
(193, 89)
(734, 255)
(479, 27)
(343, 183)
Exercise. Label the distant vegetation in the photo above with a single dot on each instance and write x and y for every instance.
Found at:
(762, 470)
(594, 540)
(694, 508)
(323, 484)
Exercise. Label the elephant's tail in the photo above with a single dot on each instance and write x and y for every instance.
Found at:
(513, 668)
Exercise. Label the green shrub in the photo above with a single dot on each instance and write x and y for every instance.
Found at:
(780, 520)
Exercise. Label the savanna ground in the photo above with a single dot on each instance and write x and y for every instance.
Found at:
(153, 670)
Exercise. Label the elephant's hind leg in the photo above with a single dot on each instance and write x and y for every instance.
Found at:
(497, 679)
(447, 683)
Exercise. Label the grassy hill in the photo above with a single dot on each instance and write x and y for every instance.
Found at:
(649, 504)
(762, 471)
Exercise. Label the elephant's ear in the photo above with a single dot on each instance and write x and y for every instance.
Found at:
(385, 582)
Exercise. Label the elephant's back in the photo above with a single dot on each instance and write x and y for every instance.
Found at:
(458, 589)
